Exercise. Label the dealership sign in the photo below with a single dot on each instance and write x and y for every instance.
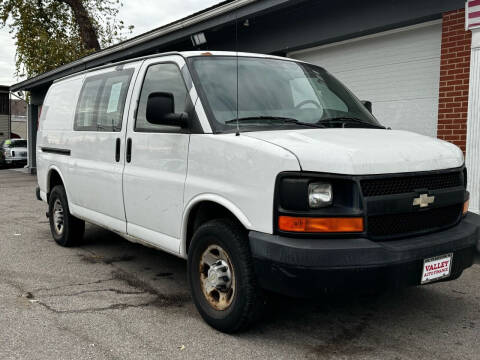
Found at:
(472, 14)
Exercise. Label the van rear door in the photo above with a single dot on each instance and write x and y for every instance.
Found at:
(97, 146)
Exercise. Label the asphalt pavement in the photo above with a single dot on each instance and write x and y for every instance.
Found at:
(112, 299)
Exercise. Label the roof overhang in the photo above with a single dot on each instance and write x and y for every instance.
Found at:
(225, 12)
(277, 27)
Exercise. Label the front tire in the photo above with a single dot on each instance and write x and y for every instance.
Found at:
(221, 276)
(66, 229)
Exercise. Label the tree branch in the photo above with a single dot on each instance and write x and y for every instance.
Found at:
(88, 32)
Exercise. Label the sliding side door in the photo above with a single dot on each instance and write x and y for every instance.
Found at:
(97, 146)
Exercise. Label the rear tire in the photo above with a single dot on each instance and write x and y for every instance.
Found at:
(225, 291)
(66, 229)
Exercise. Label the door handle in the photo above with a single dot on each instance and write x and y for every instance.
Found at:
(129, 149)
(117, 150)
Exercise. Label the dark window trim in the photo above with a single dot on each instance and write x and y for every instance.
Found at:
(164, 131)
(177, 130)
(58, 151)
(97, 102)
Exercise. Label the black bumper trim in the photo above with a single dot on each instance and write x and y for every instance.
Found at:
(302, 267)
(312, 282)
(362, 252)
(58, 151)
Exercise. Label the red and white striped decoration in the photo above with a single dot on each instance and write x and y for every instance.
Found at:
(472, 14)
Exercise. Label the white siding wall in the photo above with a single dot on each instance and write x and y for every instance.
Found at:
(473, 126)
(398, 71)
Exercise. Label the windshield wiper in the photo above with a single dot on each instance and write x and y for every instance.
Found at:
(345, 119)
(280, 119)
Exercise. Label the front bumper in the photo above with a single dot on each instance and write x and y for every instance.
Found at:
(15, 160)
(306, 267)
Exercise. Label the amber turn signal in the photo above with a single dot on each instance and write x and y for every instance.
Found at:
(317, 225)
(465, 207)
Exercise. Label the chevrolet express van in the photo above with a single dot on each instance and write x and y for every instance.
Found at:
(288, 184)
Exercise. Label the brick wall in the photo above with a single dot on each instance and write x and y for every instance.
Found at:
(454, 74)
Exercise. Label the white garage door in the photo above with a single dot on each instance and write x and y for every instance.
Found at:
(399, 71)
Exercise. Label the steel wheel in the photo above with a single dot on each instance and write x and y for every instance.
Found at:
(221, 276)
(66, 229)
(58, 217)
(217, 277)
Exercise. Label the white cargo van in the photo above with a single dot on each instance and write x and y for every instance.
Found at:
(264, 172)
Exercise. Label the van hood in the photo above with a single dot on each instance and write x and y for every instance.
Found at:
(364, 151)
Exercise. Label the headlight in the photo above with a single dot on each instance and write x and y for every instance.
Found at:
(320, 194)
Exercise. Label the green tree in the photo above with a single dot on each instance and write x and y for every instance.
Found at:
(50, 33)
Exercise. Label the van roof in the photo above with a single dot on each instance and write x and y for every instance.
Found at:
(188, 54)
(184, 54)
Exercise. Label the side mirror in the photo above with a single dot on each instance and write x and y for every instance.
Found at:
(368, 105)
(161, 110)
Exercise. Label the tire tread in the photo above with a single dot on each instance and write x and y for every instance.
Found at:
(74, 227)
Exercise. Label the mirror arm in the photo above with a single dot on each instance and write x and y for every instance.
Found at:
(368, 105)
(180, 119)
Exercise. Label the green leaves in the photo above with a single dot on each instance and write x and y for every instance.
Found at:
(48, 33)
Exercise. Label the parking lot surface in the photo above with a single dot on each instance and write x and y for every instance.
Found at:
(111, 299)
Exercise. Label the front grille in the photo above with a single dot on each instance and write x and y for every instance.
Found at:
(406, 184)
(396, 225)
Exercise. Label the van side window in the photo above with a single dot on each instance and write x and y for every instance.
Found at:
(102, 101)
(161, 78)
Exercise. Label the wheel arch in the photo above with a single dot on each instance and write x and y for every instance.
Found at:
(54, 177)
(207, 207)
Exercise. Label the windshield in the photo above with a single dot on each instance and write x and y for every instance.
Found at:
(272, 91)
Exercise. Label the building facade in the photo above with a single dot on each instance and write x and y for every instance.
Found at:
(4, 113)
(18, 118)
(13, 116)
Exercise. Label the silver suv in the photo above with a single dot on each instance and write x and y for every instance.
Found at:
(13, 152)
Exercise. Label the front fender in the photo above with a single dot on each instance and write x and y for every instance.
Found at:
(220, 200)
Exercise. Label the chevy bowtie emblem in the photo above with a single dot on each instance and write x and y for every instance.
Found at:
(423, 200)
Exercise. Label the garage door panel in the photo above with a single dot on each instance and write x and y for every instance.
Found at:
(399, 72)
(408, 115)
(389, 82)
(409, 45)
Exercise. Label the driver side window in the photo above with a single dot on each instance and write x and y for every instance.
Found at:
(161, 78)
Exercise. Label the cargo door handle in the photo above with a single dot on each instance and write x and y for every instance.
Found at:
(129, 149)
(117, 150)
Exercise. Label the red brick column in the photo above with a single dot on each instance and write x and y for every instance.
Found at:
(454, 75)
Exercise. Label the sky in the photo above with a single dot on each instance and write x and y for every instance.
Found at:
(145, 15)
